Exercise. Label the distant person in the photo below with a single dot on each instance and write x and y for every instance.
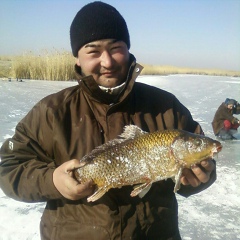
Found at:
(224, 124)
(37, 162)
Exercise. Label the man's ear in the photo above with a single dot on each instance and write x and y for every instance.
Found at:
(78, 62)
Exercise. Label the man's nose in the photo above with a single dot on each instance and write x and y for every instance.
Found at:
(106, 59)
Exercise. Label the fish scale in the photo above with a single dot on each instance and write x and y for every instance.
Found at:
(139, 158)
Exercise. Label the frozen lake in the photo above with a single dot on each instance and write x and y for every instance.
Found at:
(210, 215)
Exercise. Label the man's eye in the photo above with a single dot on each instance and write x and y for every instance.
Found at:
(116, 47)
(92, 52)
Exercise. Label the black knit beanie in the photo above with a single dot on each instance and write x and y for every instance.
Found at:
(96, 21)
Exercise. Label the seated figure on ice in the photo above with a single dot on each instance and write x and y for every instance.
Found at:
(224, 124)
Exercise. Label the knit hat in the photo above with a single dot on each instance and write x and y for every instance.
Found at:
(230, 101)
(96, 21)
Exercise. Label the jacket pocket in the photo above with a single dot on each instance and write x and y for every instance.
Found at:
(78, 231)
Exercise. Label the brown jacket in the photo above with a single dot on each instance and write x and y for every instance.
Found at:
(222, 113)
(69, 124)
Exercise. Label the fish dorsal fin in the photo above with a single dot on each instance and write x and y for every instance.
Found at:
(129, 132)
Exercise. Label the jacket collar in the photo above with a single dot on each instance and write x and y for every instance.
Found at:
(90, 86)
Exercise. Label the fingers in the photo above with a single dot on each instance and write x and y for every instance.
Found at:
(189, 178)
(67, 185)
(199, 173)
(71, 165)
(203, 170)
(77, 191)
(86, 189)
(208, 165)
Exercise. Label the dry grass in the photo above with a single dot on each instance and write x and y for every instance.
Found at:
(59, 65)
(166, 70)
(52, 65)
(5, 66)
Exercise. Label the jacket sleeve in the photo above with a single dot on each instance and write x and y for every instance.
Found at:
(184, 119)
(186, 122)
(26, 168)
(228, 116)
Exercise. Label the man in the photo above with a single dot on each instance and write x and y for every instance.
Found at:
(37, 162)
(224, 124)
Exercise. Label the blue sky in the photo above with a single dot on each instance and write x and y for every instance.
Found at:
(183, 33)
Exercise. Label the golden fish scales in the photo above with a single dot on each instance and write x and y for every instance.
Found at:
(118, 159)
(142, 158)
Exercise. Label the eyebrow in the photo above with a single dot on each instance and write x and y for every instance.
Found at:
(92, 45)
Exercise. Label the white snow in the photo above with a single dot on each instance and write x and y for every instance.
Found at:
(210, 215)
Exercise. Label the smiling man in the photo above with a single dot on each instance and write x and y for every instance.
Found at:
(106, 60)
(37, 162)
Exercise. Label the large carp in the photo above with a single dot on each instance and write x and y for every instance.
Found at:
(140, 158)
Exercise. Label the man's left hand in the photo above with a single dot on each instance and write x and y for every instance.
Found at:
(199, 173)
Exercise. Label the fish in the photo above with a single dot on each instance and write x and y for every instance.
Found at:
(140, 158)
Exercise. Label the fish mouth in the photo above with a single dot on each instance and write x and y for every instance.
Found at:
(219, 148)
(216, 149)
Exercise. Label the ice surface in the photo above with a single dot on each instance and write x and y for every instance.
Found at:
(210, 215)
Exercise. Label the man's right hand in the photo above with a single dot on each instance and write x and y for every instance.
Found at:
(67, 185)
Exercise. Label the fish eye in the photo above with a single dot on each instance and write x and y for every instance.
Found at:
(198, 142)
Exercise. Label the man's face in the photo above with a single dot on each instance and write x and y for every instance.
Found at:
(106, 60)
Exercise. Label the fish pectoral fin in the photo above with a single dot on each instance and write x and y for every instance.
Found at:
(145, 190)
(97, 194)
(139, 188)
(177, 180)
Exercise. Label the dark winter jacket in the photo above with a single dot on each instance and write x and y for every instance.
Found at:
(222, 113)
(68, 125)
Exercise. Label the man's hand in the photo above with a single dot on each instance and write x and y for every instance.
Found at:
(200, 173)
(67, 185)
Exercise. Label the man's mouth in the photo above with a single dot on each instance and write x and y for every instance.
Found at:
(108, 73)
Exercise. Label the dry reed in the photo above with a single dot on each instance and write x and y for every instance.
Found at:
(59, 65)
(166, 70)
(52, 65)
